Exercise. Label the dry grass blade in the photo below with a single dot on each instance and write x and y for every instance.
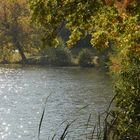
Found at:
(107, 111)
(65, 132)
(106, 118)
(53, 136)
(93, 132)
(88, 123)
(63, 136)
(42, 116)
(83, 108)
(99, 131)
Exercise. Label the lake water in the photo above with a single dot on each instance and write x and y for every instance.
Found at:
(74, 93)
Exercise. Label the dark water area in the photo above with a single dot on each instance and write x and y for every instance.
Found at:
(75, 93)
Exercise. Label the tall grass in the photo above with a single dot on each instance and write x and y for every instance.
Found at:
(42, 116)
(99, 131)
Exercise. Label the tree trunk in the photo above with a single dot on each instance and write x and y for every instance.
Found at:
(21, 52)
(24, 59)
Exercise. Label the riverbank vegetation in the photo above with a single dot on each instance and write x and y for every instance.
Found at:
(85, 59)
(23, 42)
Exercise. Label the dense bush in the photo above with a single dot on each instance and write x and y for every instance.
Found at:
(56, 56)
(85, 58)
(127, 87)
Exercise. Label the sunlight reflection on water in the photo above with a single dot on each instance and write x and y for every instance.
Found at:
(24, 91)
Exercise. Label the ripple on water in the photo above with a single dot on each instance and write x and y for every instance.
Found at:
(23, 93)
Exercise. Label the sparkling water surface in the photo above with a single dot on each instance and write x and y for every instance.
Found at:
(74, 93)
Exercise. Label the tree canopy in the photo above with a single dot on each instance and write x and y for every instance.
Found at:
(100, 19)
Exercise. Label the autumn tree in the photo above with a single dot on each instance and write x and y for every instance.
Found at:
(16, 31)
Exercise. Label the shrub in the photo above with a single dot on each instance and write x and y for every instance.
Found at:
(126, 74)
(85, 58)
(56, 56)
